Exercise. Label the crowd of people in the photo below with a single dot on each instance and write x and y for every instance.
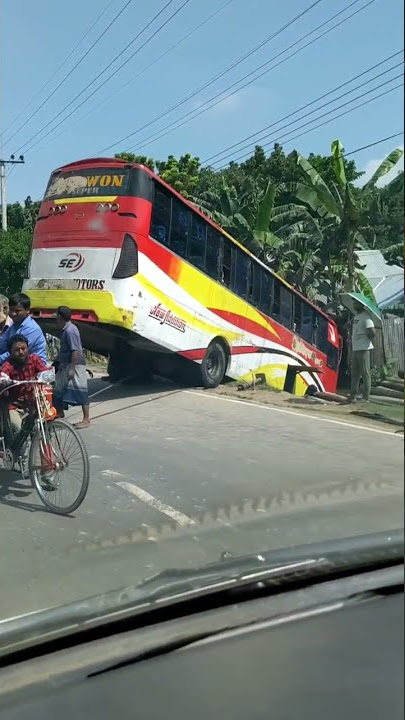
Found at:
(23, 354)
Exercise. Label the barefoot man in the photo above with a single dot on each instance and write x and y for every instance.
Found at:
(71, 379)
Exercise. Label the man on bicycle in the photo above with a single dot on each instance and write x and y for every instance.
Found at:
(19, 367)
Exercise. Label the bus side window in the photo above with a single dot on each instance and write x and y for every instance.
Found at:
(266, 291)
(213, 252)
(331, 352)
(161, 216)
(308, 325)
(332, 359)
(240, 280)
(286, 314)
(255, 284)
(322, 334)
(198, 243)
(297, 327)
(180, 228)
(226, 269)
(275, 308)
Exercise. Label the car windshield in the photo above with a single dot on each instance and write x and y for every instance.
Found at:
(214, 278)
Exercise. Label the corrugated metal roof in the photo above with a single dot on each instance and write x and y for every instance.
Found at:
(376, 267)
(386, 280)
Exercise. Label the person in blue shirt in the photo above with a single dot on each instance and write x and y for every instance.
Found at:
(23, 324)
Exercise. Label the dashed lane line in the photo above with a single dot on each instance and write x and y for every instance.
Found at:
(153, 502)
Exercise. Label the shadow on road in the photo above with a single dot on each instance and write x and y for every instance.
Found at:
(102, 392)
(135, 404)
(12, 484)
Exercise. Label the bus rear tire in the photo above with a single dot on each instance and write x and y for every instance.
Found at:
(116, 367)
(213, 366)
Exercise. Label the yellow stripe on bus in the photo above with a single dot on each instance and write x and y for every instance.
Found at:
(214, 295)
(190, 318)
(85, 199)
(275, 377)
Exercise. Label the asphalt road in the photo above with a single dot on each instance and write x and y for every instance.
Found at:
(179, 477)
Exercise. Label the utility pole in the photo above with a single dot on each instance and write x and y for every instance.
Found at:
(3, 164)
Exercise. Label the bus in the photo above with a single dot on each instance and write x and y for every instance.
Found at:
(154, 283)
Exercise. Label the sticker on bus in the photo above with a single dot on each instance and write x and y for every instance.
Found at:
(166, 317)
(68, 284)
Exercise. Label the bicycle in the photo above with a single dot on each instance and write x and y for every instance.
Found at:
(55, 447)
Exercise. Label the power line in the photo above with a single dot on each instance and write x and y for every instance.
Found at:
(325, 122)
(186, 2)
(110, 24)
(303, 107)
(258, 140)
(63, 63)
(145, 69)
(219, 97)
(373, 144)
(216, 77)
(282, 138)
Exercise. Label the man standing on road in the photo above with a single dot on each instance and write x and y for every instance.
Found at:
(363, 334)
(71, 379)
(23, 324)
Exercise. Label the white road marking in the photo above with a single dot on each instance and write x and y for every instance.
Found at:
(111, 473)
(296, 414)
(171, 512)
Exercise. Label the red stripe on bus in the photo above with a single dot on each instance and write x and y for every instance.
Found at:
(244, 324)
(199, 353)
(44, 241)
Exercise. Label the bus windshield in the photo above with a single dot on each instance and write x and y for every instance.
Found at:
(88, 182)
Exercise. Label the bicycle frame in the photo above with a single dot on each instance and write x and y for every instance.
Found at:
(48, 457)
(7, 439)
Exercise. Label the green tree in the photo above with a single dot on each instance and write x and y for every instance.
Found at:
(343, 212)
(15, 246)
(23, 217)
(254, 217)
(31, 210)
(182, 173)
(139, 159)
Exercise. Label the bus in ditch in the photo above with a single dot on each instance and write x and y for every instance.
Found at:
(154, 283)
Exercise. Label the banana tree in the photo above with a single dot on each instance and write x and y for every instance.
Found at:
(255, 219)
(344, 215)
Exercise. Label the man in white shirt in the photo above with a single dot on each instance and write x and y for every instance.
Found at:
(363, 334)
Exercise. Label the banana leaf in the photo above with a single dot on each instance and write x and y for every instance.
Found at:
(315, 184)
(265, 209)
(386, 165)
(338, 163)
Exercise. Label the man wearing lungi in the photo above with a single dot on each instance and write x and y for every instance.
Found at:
(71, 378)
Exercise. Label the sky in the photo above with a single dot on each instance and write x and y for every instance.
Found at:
(36, 40)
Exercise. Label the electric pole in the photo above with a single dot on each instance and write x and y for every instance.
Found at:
(3, 164)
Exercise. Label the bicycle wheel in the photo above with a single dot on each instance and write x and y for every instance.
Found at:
(58, 465)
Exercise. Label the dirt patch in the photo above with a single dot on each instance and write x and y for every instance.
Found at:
(266, 396)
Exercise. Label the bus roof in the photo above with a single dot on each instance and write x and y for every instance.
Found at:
(119, 162)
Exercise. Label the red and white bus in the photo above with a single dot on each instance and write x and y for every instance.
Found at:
(151, 280)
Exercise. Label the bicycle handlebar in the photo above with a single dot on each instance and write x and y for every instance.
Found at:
(9, 384)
